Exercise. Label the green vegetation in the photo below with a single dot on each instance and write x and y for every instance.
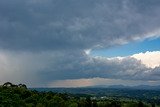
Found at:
(19, 96)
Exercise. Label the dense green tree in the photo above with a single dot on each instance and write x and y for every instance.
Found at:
(94, 103)
(153, 104)
(19, 96)
(7, 84)
(72, 104)
(22, 86)
(88, 102)
(56, 101)
(82, 103)
(140, 104)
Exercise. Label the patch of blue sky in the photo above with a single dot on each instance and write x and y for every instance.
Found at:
(129, 49)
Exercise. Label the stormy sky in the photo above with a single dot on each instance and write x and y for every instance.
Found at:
(60, 43)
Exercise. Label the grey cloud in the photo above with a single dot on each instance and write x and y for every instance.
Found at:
(55, 25)
(38, 69)
(90, 67)
(127, 68)
(44, 40)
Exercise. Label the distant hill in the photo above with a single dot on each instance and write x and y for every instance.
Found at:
(139, 87)
(147, 87)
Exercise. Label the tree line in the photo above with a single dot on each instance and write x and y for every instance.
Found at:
(12, 95)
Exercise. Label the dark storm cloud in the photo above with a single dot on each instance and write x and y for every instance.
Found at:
(43, 68)
(45, 40)
(51, 24)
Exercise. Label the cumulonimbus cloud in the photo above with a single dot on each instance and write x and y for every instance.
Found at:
(47, 67)
(150, 59)
(47, 40)
(53, 25)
